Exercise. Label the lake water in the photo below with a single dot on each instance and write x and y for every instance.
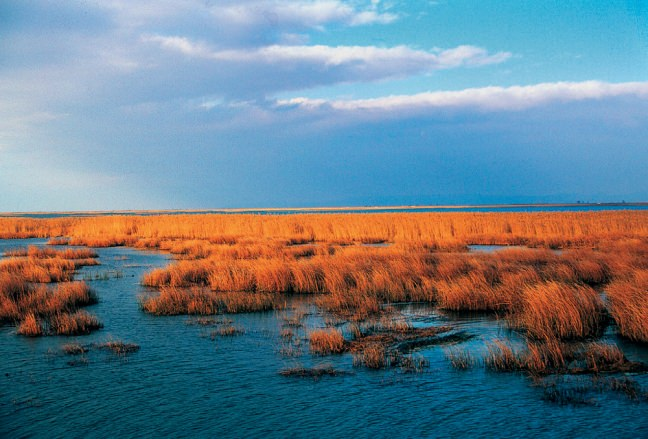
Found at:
(183, 383)
(423, 209)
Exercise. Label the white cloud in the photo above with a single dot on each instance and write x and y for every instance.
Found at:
(250, 14)
(489, 98)
(332, 64)
(470, 56)
(301, 13)
(180, 44)
(403, 56)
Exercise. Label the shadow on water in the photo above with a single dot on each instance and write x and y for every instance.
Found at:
(184, 382)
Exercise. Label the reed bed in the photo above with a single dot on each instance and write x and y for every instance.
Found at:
(246, 263)
(39, 270)
(355, 281)
(355, 266)
(31, 326)
(48, 253)
(547, 229)
(19, 298)
(64, 323)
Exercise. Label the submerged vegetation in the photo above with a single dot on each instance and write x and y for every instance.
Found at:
(313, 372)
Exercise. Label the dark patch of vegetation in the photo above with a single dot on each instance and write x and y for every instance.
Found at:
(118, 347)
(312, 372)
(207, 321)
(74, 349)
(386, 347)
(554, 357)
(226, 331)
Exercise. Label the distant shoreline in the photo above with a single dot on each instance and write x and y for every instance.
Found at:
(409, 208)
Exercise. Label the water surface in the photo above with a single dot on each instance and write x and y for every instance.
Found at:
(181, 383)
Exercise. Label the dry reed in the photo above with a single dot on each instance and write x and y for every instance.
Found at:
(557, 310)
(241, 263)
(628, 303)
(175, 301)
(327, 341)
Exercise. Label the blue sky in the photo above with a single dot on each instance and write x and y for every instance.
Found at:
(220, 103)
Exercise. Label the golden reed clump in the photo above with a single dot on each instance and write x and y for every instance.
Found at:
(40, 309)
(175, 301)
(326, 341)
(628, 303)
(554, 310)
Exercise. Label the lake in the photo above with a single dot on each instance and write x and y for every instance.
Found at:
(185, 383)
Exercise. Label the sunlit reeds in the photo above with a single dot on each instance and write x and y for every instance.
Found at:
(243, 263)
(30, 326)
(628, 302)
(549, 229)
(326, 341)
(77, 323)
(557, 310)
(39, 309)
(175, 301)
(47, 253)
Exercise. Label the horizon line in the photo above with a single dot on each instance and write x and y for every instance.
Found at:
(325, 208)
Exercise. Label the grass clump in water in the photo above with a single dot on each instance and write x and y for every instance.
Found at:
(118, 347)
(327, 341)
(74, 349)
(227, 331)
(460, 359)
(312, 372)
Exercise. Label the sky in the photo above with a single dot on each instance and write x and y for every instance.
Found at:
(181, 104)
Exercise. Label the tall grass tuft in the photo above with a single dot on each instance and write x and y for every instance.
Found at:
(31, 326)
(78, 323)
(175, 301)
(327, 341)
(628, 304)
(557, 310)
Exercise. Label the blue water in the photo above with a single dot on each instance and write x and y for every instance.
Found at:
(479, 248)
(489, 208)
(183, 383)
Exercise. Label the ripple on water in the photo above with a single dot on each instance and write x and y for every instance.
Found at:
(182, 384)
